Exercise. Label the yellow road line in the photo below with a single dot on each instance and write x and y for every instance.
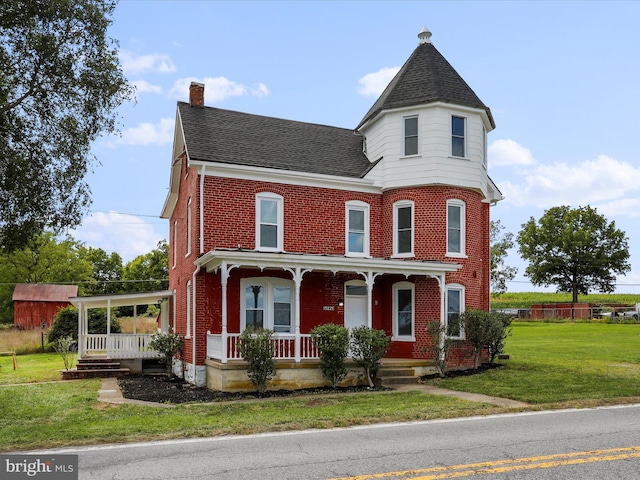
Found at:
(501, 466)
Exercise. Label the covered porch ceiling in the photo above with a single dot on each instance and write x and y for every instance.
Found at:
(122, 300)
(215, 259)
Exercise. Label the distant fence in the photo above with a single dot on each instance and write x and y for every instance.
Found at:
(582, 311)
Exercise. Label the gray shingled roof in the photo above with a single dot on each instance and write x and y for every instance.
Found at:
(426, 77)
(225, 136)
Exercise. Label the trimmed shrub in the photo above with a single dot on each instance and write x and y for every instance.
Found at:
(333, 343)
(168, 344)
(368, 348)
(257, 350)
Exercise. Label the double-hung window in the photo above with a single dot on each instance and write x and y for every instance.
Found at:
(458, 136)
(403, 311)
(411, 135)
(189, 226)
(456, 228)
(269, 222)
(267, 303)
(455, 307)
(357, 229)
(403, 229)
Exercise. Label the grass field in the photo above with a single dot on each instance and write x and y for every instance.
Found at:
(526, 299)
(552, 365)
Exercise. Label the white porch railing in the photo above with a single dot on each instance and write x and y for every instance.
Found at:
(284, 346)
(119, 345)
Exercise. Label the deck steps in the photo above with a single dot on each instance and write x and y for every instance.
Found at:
(95, 368)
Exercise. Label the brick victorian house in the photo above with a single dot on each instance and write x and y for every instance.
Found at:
(288, 225)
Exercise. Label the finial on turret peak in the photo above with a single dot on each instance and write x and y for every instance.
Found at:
(424, 36)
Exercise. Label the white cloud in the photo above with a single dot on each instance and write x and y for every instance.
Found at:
(153, 62)
(507, 152)
(373, 84)
(143, 86)
(160, 133)
(629, 207)
(604, 179)
(125, 234)
(217, 89)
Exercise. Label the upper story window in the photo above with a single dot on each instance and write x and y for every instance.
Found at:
(188, 228)
(403, 228)
(174, 247)
(458, 130)
(403, 311)
(357, 229)
(267, 303)
(411, 136)
(269, 222)
(455, 228)
(455, 307)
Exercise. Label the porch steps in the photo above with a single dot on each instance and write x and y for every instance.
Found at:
(390, 376)
(95, 368)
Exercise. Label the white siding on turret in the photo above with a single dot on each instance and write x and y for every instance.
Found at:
(434, 163)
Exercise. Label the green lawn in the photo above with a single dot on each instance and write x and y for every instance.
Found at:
(561, 362)
(552, 365)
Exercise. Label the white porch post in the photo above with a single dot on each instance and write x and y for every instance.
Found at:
(370, 278)
(224, 278)
(108, 327)
(297, 274)
(164, 316)
(80, 331)
(135, 318)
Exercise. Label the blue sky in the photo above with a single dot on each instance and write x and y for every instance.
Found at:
(560, 79)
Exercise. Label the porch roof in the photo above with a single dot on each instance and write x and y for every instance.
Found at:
(122, 300)
(214, 259)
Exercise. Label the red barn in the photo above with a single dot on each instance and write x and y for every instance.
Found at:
(35, 305)
(288, 225)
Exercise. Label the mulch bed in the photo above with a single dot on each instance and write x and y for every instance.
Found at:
(161, 389)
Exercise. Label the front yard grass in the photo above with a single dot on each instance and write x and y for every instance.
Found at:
(552, 365)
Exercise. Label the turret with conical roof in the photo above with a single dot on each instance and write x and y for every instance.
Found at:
(429, 127)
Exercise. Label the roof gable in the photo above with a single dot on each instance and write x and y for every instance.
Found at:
(226, 136)
(426, 77)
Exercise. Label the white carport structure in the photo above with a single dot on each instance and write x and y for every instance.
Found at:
(120, 345)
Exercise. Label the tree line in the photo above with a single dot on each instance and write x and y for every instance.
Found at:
(47, 259)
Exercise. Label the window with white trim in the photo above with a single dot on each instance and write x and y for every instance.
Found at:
(411, 135)
(456, 228)
(269, 222)
(403, 311)
(403, 229)
(188, 312)
(357, 229)
(267, 303)
(458, 130)
(175, 243)
(455, 307)
(188, 228)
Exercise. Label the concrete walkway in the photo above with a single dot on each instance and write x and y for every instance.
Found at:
(111, 393)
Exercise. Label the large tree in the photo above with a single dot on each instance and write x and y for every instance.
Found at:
(501, 273)
(60, 86)
(107, 272)
(150, 271)
(577, 250)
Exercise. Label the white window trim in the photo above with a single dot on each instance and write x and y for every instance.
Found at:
(404, 136)
(454, 202)
(464, 138)
(401, 204)
(363, 207)
(188, 228)
(396, 336)
(174, 254)
(188, 310)
(268, 283)
(280, 221)
(461, 289)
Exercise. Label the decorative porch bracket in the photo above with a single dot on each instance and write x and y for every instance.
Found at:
(370, 278)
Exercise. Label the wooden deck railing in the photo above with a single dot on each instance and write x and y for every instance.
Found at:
(284, 347)
(119, 345)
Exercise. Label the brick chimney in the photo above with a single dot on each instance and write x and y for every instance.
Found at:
(196, 94)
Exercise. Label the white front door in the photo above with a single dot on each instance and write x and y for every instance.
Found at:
(355, 304)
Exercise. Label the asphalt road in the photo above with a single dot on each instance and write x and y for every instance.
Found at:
(602, 443)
